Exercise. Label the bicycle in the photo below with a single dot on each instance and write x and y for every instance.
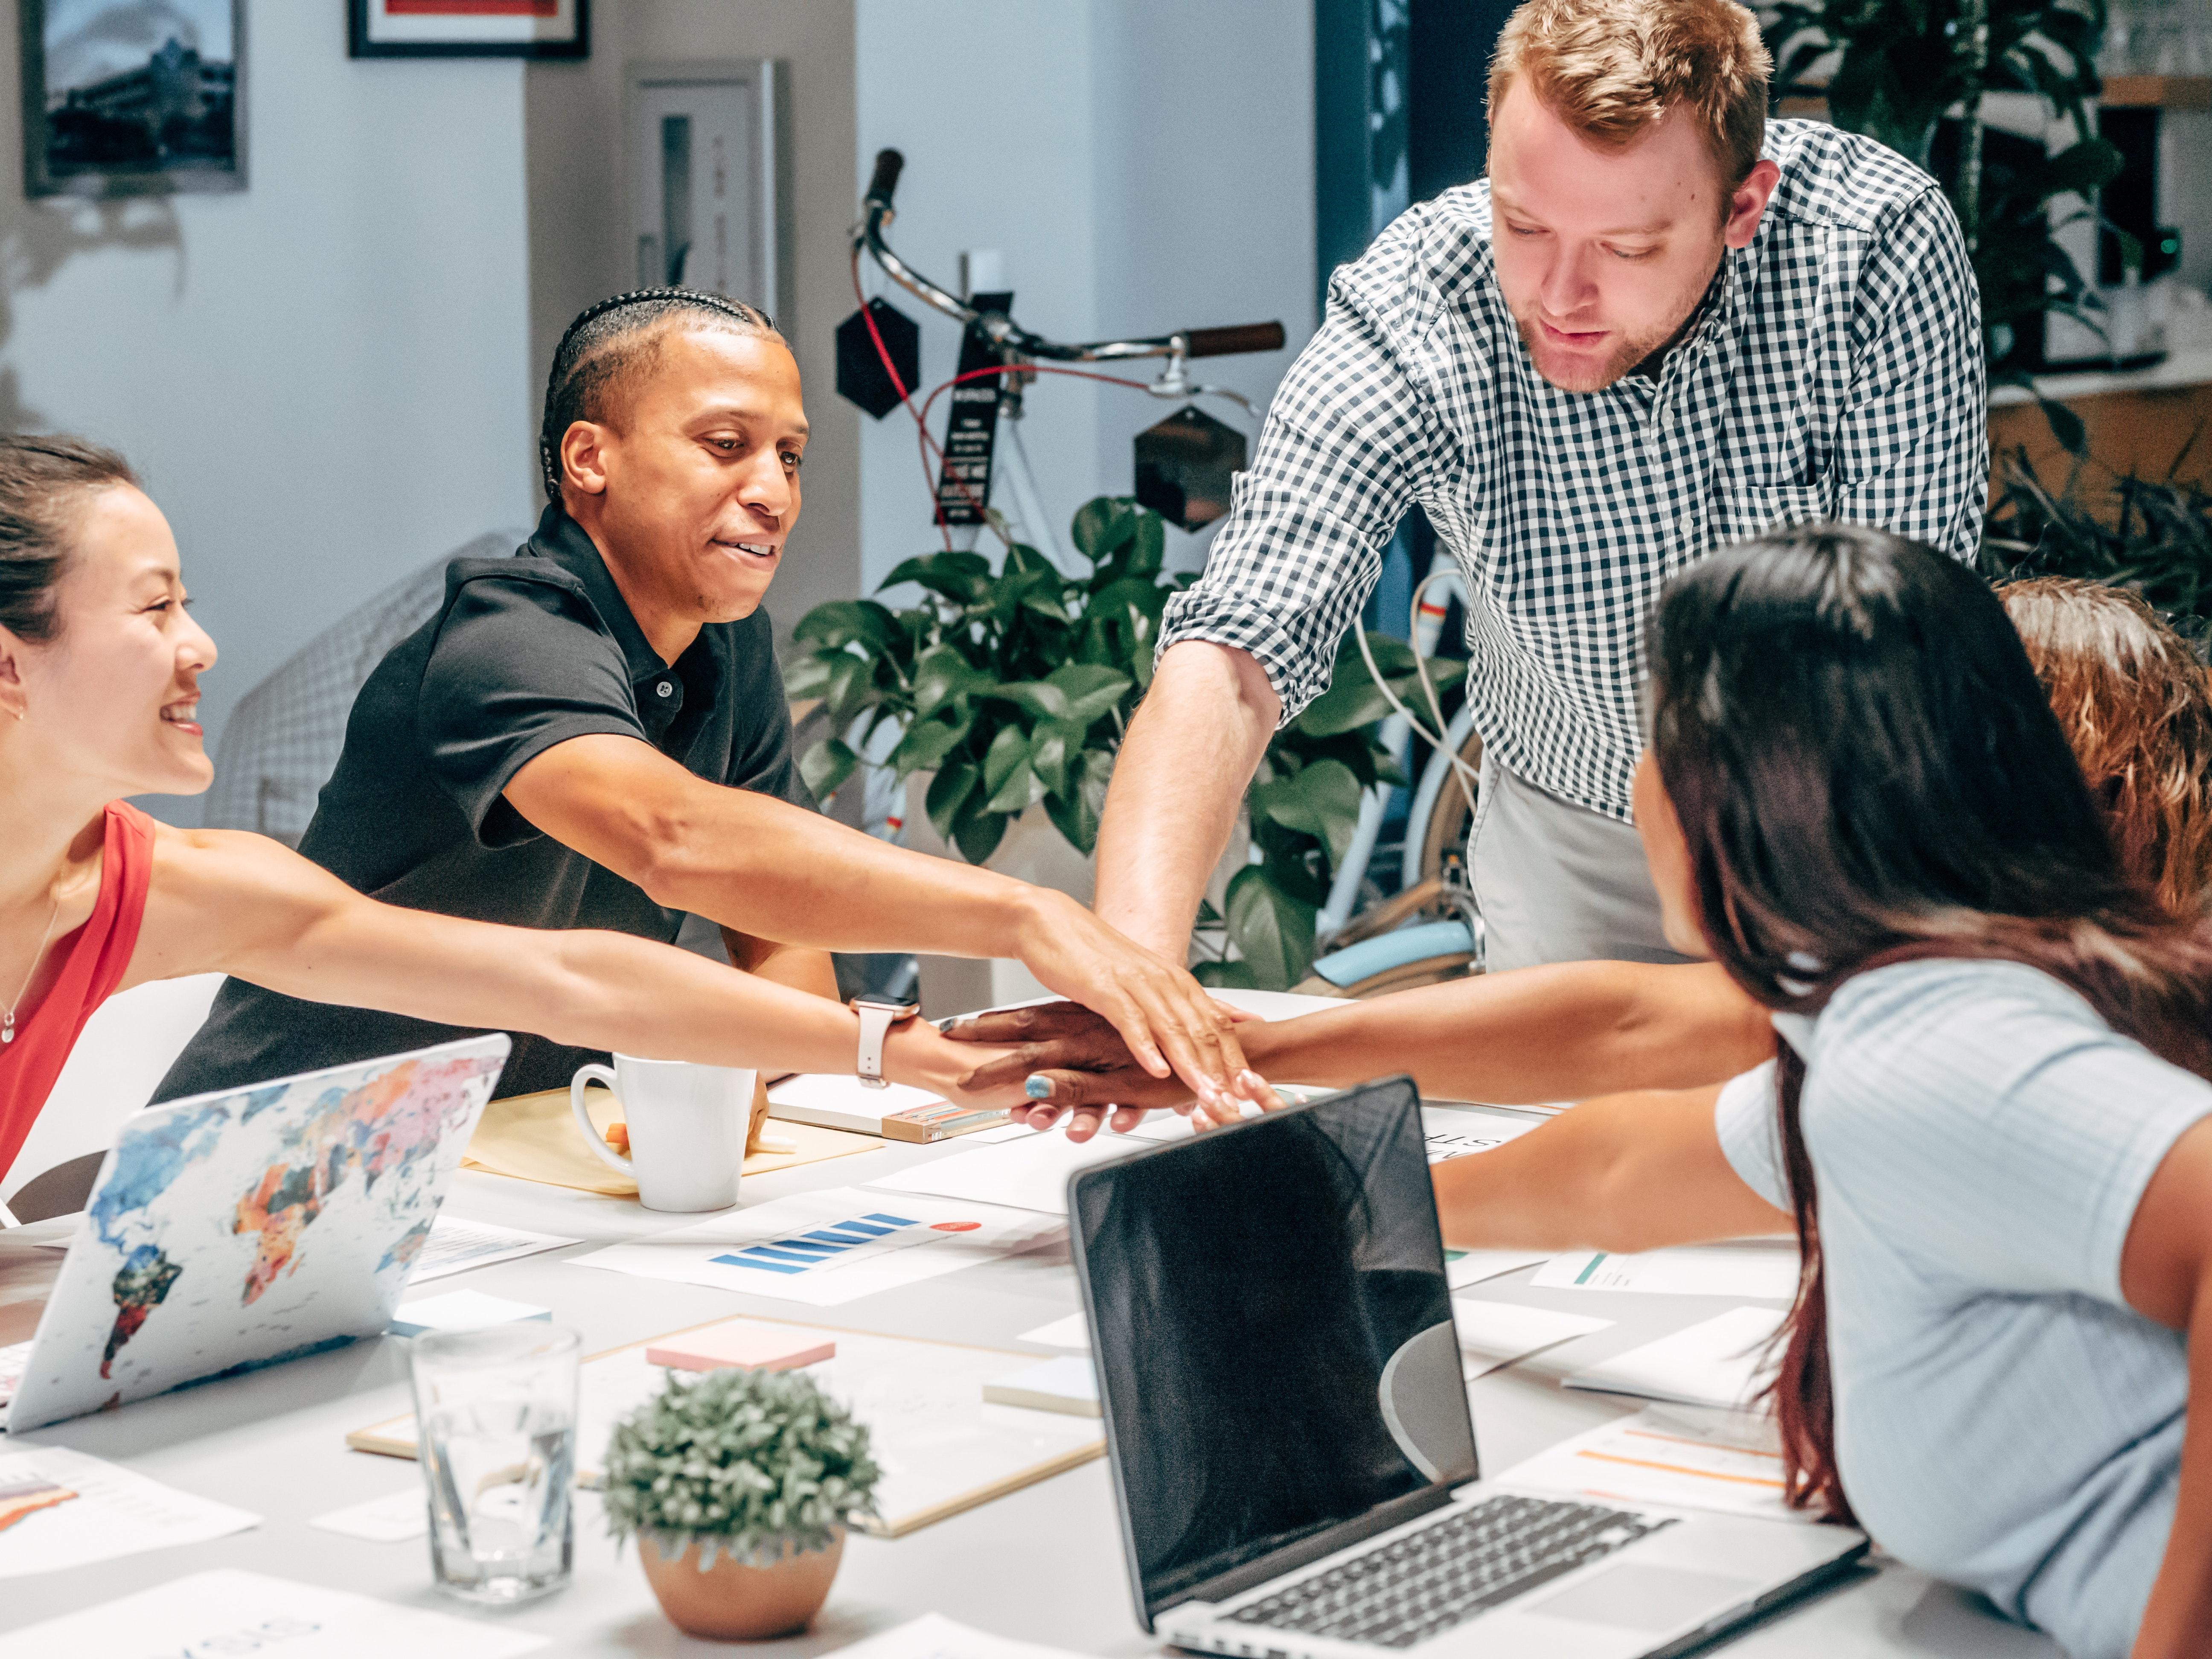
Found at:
(1384, 948)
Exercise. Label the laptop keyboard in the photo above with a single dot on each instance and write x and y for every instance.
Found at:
(1423, 1583)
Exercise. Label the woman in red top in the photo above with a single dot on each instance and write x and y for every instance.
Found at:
(100, 667)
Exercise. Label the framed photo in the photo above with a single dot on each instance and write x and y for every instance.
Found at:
(469, 28)
(133, 97)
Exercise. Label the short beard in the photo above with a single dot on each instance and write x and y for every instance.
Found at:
(1621, 362)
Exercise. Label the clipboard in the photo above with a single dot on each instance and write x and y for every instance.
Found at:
(944, 1449)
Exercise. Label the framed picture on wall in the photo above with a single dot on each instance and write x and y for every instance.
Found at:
(469, 28)
(133, 97)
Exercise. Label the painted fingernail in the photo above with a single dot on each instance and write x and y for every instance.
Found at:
(1255, 1085)
(1038, 1088)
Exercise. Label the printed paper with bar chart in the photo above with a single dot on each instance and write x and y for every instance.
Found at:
(831, 1247)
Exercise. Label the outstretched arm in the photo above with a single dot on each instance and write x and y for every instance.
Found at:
(773, 871)
(1564, 1031)
(2165, 1274)
(230, 903)
(1194, 745)
(1629, 1172)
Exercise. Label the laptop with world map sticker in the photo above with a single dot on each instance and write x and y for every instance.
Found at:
(233, 1230)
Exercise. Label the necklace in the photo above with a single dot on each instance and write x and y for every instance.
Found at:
(8, 1018)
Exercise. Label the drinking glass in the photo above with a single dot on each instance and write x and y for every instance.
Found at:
(496, 1430)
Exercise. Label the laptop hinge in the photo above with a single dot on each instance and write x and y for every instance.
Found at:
(1289, 1559)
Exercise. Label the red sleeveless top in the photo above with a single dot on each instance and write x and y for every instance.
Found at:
(93, 960)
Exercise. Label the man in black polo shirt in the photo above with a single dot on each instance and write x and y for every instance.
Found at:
(593, 734)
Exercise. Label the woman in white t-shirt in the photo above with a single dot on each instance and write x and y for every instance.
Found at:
(1987, 1120)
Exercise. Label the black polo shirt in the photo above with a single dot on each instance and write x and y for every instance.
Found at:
(524, 654)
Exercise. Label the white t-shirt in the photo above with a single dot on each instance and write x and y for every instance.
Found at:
(1980, 1140)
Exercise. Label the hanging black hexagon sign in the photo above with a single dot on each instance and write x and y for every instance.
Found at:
(861, 377)
(1184, 464)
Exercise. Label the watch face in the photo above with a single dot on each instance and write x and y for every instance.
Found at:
(895, 1009)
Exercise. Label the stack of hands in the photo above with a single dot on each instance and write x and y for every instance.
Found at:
(1073, 1063)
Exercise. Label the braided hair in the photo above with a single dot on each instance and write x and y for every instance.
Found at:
(609, 341)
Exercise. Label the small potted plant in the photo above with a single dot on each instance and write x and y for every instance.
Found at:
(738, 1486)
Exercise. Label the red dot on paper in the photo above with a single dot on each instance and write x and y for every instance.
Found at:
(954, 1226)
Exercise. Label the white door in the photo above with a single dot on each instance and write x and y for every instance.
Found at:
(696, 209)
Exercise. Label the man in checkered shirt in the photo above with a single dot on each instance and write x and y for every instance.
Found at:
(1658, 325)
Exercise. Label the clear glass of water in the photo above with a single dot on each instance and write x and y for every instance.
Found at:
(495, 1428)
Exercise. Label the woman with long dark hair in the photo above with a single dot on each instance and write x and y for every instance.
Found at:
(1987, 1122)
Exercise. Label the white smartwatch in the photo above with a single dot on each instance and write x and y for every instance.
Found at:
(878, 1016)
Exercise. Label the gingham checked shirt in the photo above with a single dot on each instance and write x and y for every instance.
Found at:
(1835, 372)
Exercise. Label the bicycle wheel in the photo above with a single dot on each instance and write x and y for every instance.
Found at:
(1440, 819)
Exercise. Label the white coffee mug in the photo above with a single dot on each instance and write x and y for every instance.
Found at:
(687, 1129)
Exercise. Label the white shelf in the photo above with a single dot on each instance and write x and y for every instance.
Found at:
(2181, 368)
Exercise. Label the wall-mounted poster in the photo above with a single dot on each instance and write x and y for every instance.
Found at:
(133, 97)
(469, 28)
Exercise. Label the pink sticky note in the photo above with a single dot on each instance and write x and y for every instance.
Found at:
(741, 1342)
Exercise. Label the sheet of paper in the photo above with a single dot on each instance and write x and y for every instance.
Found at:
(115, 1512)
(1492, 1334)
(1753, 1270)
(830, 1247)
(392, 1519)
(847, 1096)
(1454, 1133)
(1465, 1267)
(535, 1137)
(1071, 1333)
(1028, 1174)
(454, 1246)
(1729, 1461)
(234, 1613)
(942, 1448)
(933, 1636)
(1721, 1361)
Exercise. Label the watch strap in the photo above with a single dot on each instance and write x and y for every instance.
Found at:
(876, 1022)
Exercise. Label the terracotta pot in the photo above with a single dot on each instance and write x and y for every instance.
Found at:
(735, 1600)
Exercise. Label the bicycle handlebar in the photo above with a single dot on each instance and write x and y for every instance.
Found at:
(1229, 342)
(881, 188)
(1009, 335)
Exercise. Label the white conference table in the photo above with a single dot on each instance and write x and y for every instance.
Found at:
(1043, 1564)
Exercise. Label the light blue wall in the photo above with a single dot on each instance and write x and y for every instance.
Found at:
(1144, 165)
(324, 379)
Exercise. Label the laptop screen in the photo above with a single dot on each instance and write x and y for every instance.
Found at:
(1272, 1331)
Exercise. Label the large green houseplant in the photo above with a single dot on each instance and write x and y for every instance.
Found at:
(1015, 688)
(738, 1485)
(1902, 69)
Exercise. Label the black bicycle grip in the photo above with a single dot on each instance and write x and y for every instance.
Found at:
(1229, 342)
(881, 188)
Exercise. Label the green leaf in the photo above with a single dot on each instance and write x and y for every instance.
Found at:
(1048, 757)
(1102, 524)
(1148, 547)
(942, 674)
(1273, 930)
(826, 766)
(1041, 697)
(1021, 790)
(964, 578)
(841, 622)
(978, 836)
(1074, 811)
(1009, 753)
(927, 744)
(948, 792)
(1089, 689)
(1321, 801)
(2065, 426)
(1226, 975)
(848, 686)
(1352, 701)
(809, 676)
